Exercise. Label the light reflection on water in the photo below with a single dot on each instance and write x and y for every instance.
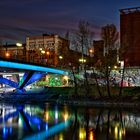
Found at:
(27, 122)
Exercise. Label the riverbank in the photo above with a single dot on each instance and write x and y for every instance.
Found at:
(80, 101)
(105, 102)
(67, 96)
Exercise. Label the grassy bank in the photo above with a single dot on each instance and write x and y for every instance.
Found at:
(94, 92)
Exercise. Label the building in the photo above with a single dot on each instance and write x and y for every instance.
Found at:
(101, 55)
(46, 49)
(14, 51)
(49, 50)
(130, 35)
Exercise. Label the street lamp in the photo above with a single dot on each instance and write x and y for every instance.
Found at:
(48, 53)
(18, 45)
(90, 51)
(60, 57)
(7, 54)
(40, 49)
(43, 52)
(91, 55)
(82, 60)
(115, 67)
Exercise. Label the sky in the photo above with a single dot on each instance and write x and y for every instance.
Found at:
(22, 18)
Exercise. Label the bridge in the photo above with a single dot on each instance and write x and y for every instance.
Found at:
(32, 73)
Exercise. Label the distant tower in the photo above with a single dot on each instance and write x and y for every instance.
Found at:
(130, 35)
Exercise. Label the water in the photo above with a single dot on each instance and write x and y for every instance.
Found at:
(52, 122)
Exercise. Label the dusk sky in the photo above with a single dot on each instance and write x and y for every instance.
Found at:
(22, 18)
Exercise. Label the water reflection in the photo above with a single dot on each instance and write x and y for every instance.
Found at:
(67, 123)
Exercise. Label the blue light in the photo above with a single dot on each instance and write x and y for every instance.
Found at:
(8, 82)
(11, 130)
(35, 120)
(30, 67)
(10, 115)
(23, 79)
(36, 76)
(46, 127)
(53, 130)
(5, 132)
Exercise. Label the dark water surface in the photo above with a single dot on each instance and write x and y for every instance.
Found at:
(52, 122)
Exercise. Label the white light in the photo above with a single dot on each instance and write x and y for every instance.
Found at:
(18, 44)
(43, 52)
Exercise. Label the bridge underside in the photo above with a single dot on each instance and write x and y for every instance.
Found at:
(32, 74)
(27, 79)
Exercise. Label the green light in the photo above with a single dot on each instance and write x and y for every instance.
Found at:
(55, 81)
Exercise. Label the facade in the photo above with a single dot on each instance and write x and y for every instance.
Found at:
(46, 49)
(130, 35)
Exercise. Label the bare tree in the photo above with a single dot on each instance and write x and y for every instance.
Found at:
(83, 37)
(110, 36)
(122, 53)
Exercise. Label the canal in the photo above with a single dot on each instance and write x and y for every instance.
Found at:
(53, 122)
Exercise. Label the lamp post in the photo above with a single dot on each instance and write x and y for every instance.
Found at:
(47, 58)
(7, 54)
(60, 58)
(42, 53)
(18, 45)
(91, 54)
(82, 61)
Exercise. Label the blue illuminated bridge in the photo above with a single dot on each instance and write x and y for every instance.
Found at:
(32, 73)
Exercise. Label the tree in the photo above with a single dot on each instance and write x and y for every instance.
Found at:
(122, 53)
(84, 41)
(110, 36)
(83, 37)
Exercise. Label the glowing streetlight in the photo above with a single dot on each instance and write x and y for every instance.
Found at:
(90, 50)
(43, 52)
(40, 49)
(18, 44)
(60, 57)
(115, 67)
(82, 60)
(7, 54)
(48, 53)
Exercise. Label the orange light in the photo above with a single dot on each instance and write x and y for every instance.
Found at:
(66, 116)
(91, 135)
(91, 51)
(48, 53)
(7, 54)
(46, 115)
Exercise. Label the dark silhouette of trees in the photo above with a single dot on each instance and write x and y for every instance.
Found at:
(109, 36)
